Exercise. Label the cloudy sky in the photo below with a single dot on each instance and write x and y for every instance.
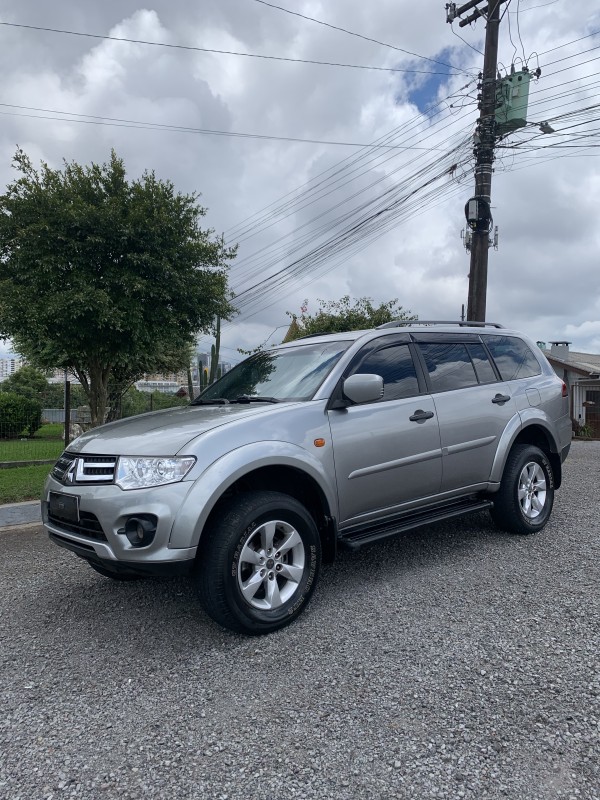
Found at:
(331, 216)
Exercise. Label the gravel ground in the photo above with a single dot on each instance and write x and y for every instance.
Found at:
(453, 662)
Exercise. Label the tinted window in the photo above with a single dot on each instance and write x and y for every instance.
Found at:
(395, 365)
(481, 362)
(449, 366)
(513, 357)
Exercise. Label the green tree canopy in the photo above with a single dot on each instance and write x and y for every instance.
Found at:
(32, 383)
(106, 277)
(26, 382)
(335, 316)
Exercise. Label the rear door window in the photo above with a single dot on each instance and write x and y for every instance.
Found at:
(449, 366)
(513, 357)
(481, 362)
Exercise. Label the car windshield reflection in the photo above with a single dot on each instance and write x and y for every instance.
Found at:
(291, 373)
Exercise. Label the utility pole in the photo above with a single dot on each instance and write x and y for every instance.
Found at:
(478, 214)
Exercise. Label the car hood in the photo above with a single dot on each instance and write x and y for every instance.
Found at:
(165, 432)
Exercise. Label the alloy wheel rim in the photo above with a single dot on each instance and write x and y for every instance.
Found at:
(271, 565)
(532, 490)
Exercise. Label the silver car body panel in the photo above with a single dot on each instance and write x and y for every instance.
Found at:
(367, 441)
(471, 426)
(370, 462)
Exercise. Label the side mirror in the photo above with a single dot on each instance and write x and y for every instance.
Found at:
(363, 388)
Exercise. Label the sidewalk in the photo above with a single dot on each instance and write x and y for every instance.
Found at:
(20, 514)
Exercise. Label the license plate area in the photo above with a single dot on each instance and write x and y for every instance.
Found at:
(64, 506)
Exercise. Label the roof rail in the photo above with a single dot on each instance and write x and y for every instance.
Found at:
(462, 323)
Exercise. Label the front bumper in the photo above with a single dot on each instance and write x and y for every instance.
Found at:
(147, 569)
(106, 510)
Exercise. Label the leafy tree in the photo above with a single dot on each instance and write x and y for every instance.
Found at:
(136, 402)
(18, 415)
(54, 396)
(26, 382)
(106, 277)
(335, 316)
(32, 383)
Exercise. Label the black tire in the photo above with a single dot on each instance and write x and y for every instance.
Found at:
(524, 501)
(116, 576)
(278, 588)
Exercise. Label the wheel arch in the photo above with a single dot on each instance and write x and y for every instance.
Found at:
(291, 481)
(279, 466)
(537, 434)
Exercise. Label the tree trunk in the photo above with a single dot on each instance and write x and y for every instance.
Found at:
(98, 393)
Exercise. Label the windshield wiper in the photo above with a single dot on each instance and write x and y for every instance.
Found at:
(247, 398)
(216, 401)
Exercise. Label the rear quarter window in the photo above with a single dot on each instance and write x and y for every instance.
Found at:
(513, 357)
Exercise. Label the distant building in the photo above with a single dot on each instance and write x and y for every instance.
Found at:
(581, 373)
(8, 367)
(58, 376)
(165, 386)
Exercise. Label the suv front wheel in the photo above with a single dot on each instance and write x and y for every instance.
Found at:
(258, 562)
(524, 501)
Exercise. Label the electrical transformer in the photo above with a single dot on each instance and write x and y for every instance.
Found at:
(512, 95)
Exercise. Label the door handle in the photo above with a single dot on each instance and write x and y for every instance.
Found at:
(501, 398)
(421, 415)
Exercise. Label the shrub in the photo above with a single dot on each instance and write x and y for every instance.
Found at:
(18, 415)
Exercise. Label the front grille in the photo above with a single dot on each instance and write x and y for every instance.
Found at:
(72, 469)
(95, 468)
(88, 525)
(61, 467)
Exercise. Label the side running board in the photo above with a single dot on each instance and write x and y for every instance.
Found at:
(357, 537)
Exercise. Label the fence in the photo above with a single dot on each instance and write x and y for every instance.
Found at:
(46, 444)
(58, 415)
(27, 438)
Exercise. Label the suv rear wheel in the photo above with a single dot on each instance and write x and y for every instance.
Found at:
(524, 502)
(259, 562)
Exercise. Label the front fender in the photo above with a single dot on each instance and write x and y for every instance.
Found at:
(223, 473)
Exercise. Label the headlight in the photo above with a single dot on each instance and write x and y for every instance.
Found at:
(140, 473)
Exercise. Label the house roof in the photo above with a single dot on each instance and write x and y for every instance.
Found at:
(581, 362)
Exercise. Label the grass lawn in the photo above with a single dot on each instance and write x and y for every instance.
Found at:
(22, 483)
(29, 449)
(47, 442)
(51, 430)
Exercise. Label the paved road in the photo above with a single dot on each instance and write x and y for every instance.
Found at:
(455, 662)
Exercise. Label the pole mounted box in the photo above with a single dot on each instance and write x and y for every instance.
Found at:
(512, 97)
(478, 214)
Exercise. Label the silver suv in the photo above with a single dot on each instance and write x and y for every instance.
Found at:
(327, 441)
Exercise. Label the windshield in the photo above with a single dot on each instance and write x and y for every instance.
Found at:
(293, 373)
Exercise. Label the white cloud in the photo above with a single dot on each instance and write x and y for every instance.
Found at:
(543, 279)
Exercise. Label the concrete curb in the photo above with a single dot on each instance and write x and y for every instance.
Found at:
(14, 514)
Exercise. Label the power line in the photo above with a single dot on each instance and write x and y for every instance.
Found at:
(376, 214)
(361, 168)
(566, 44)
(221, 52)
(325, 226)
(91, 119)
(360, 36)
(344, 167)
